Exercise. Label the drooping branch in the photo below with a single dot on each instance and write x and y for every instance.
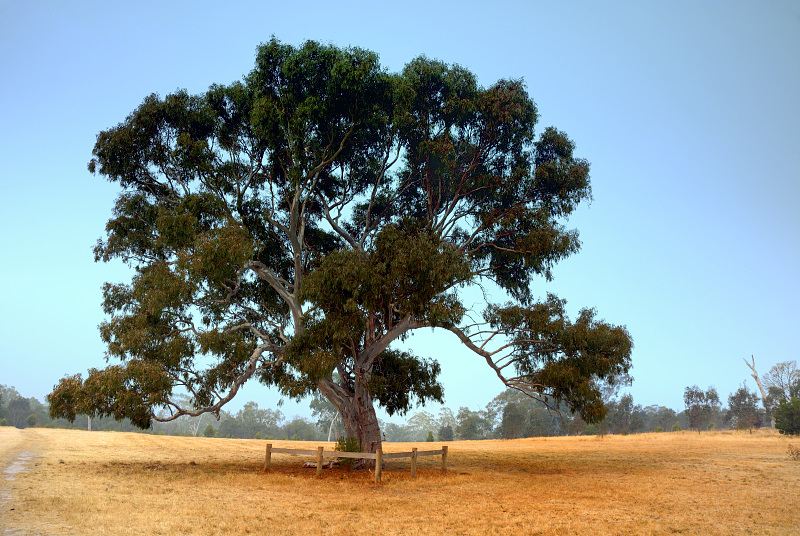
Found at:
(238, 381)
(480, 350)
(533, 390)
(552, 358)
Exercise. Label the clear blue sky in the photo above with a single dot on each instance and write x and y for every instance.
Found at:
(687, 111)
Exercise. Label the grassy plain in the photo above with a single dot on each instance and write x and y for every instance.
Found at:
(113, 483)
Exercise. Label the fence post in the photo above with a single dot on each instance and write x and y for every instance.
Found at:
(414, 462)
(268, 457)
(319, 460)
(444, 459)
(378, 465)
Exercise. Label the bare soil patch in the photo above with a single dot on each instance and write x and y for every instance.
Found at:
(112, 483)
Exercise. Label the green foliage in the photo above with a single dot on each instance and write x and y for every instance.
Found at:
(514, 420)
(127, 391)
(658, 417)
(430, 438)
(408, 268)
(543, 422)
(254, 420)
(446, 433)
(624, 417)
(417, 426)
(787, 416)
(783, 381)
(658, 429)
(400, 377)
(700, 406)
(420, 424)
(4, 422)
(349, 444)
(473, 424)
(569, 359)
(677, 427)
(251, 420)
(523, 416)
(292, 226)
(209, 431)
(593, 429)
(743, 409)
(18, 410)
(299, 429)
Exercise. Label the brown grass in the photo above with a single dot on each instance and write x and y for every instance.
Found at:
(117, 483)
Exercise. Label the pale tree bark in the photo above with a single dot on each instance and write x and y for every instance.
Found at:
(357, 411)
(752, 366)
(782, 376)
(334, 419)
(194, 424)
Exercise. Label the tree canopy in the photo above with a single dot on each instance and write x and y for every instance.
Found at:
(782, 382)
(743, 409)
(787, 416)
(290, 227)
(700, 406)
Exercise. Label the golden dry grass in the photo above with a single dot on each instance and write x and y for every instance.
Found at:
(116, 483)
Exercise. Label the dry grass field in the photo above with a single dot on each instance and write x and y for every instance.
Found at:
(56, 482)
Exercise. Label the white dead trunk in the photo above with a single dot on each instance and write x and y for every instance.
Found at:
(333, 423)
(752, 366)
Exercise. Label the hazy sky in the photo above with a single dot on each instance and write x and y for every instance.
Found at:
(687, 111)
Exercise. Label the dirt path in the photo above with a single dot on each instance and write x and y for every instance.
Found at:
(11, 441)
(18, 449)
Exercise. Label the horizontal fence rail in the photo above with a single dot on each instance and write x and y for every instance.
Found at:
(378, 456)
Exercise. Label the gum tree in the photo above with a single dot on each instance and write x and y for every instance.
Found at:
(701, 406)
(291, 227)
(743, 409)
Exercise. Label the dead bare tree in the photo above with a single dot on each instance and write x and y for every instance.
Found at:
(752, 366)
(782, 377)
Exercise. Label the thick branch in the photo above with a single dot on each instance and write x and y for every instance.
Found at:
(368, 356)
(518, 383)
(237, 383)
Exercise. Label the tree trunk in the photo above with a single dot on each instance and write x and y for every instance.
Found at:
(358, 415)
(767, 412)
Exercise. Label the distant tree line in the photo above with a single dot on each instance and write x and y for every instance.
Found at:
(509, 415)
(16, 410)
(249, 422)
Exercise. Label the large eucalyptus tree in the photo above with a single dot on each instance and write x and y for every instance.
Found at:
(290, 227)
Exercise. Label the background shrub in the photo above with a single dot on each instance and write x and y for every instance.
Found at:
(349, 444)
(787, 416)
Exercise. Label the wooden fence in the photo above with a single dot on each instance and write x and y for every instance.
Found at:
(378, 456)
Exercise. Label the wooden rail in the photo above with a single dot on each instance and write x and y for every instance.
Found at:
(378, 456)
